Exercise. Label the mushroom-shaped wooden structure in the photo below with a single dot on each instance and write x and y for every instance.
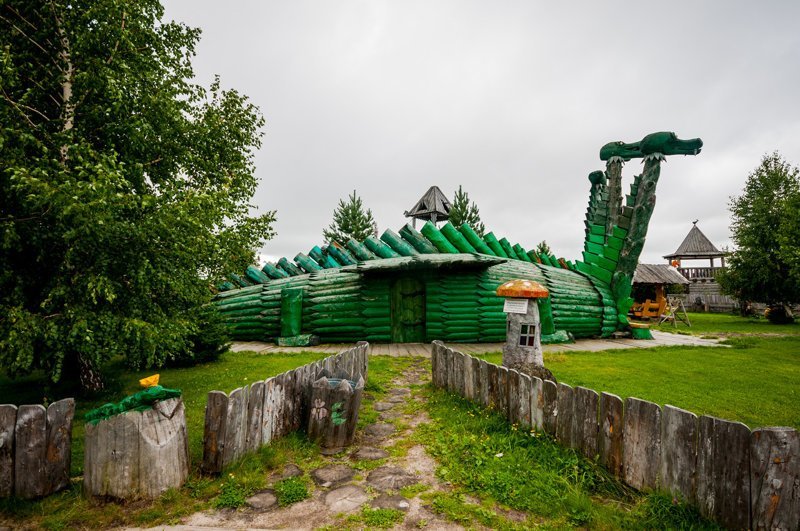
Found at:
(522, 289)
(523, 346)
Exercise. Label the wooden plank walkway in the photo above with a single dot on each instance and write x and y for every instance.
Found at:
(660, 339)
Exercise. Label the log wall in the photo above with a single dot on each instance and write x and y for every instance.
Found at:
(738, 478)
(249, 417)
(35, 448)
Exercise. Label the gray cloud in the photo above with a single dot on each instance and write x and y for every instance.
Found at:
(512, 100)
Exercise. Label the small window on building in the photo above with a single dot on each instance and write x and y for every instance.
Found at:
(527, 334)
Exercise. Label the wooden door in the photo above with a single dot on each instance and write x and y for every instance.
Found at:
(408, 310)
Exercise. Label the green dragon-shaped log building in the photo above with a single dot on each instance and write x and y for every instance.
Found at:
(440, 283)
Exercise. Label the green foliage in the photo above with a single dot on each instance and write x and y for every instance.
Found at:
(765, 266)
(377, 518)
(125, 187)
(232, 494)
(291, 490)
(462, 211)
(543, 248)
(350, 220)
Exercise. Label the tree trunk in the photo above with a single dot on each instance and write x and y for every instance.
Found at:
(90, 378)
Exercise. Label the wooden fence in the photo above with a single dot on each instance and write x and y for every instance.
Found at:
(250, 417)
(739, 478)
(35, 446)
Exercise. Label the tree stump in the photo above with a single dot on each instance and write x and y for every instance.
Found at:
(138, 454)
(334, 411)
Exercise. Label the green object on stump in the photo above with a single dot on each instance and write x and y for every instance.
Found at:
(140, 401)
(640, 331)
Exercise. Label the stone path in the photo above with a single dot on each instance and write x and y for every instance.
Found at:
(391, 459)
(660, 339)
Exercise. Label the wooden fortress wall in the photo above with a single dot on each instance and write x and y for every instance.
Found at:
(460, 306)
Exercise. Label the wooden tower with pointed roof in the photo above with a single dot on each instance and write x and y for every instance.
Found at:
(697, 246)
(433, 206)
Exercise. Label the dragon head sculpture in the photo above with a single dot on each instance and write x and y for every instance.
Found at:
(664, 143)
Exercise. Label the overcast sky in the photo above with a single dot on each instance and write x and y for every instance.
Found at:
(512, 100)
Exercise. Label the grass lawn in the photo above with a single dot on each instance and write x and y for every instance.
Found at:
(755, 381)
(727, 324)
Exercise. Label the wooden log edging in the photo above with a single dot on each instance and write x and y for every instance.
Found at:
(736, 477)
(253, 416)
(35, 448)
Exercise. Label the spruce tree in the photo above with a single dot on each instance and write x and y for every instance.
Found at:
(463, 211)
(350, 220)
(543, 248)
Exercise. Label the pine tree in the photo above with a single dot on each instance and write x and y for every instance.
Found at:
(463, 211)
(543, 248)
(350, 220)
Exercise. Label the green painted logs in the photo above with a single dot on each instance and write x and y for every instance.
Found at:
(255, 275)
(289, 267)
(340, 254)
(507, 248)
(273, 272)
(360, 251)
(307, 263)
(494, 245)
(433, 235)
(455, 237)
(379, 248)
(521, 255)
(475, 240)
(400, 246)
(417, 240)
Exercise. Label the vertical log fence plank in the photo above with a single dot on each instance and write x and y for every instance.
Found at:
(566, 399)
(279, 405)
(483, 374)
(268, 413)
(525, 389)
(723, 472)
(213, 432)
(502, 391)
(469, 381)
(458, 373)
(29, 460)
(235, 426)
(775, 478)
(641, 443)
(59, 444)
(435, 363)
(679, 453)
(493, 377)
(477, 381)
(584, 420)
(255, 416)
(611, 431)
(537, 404)
(8, 421)
(449, 363)
(550, 407)
(513, 396)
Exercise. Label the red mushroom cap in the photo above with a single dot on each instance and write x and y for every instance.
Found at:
(523, 289)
